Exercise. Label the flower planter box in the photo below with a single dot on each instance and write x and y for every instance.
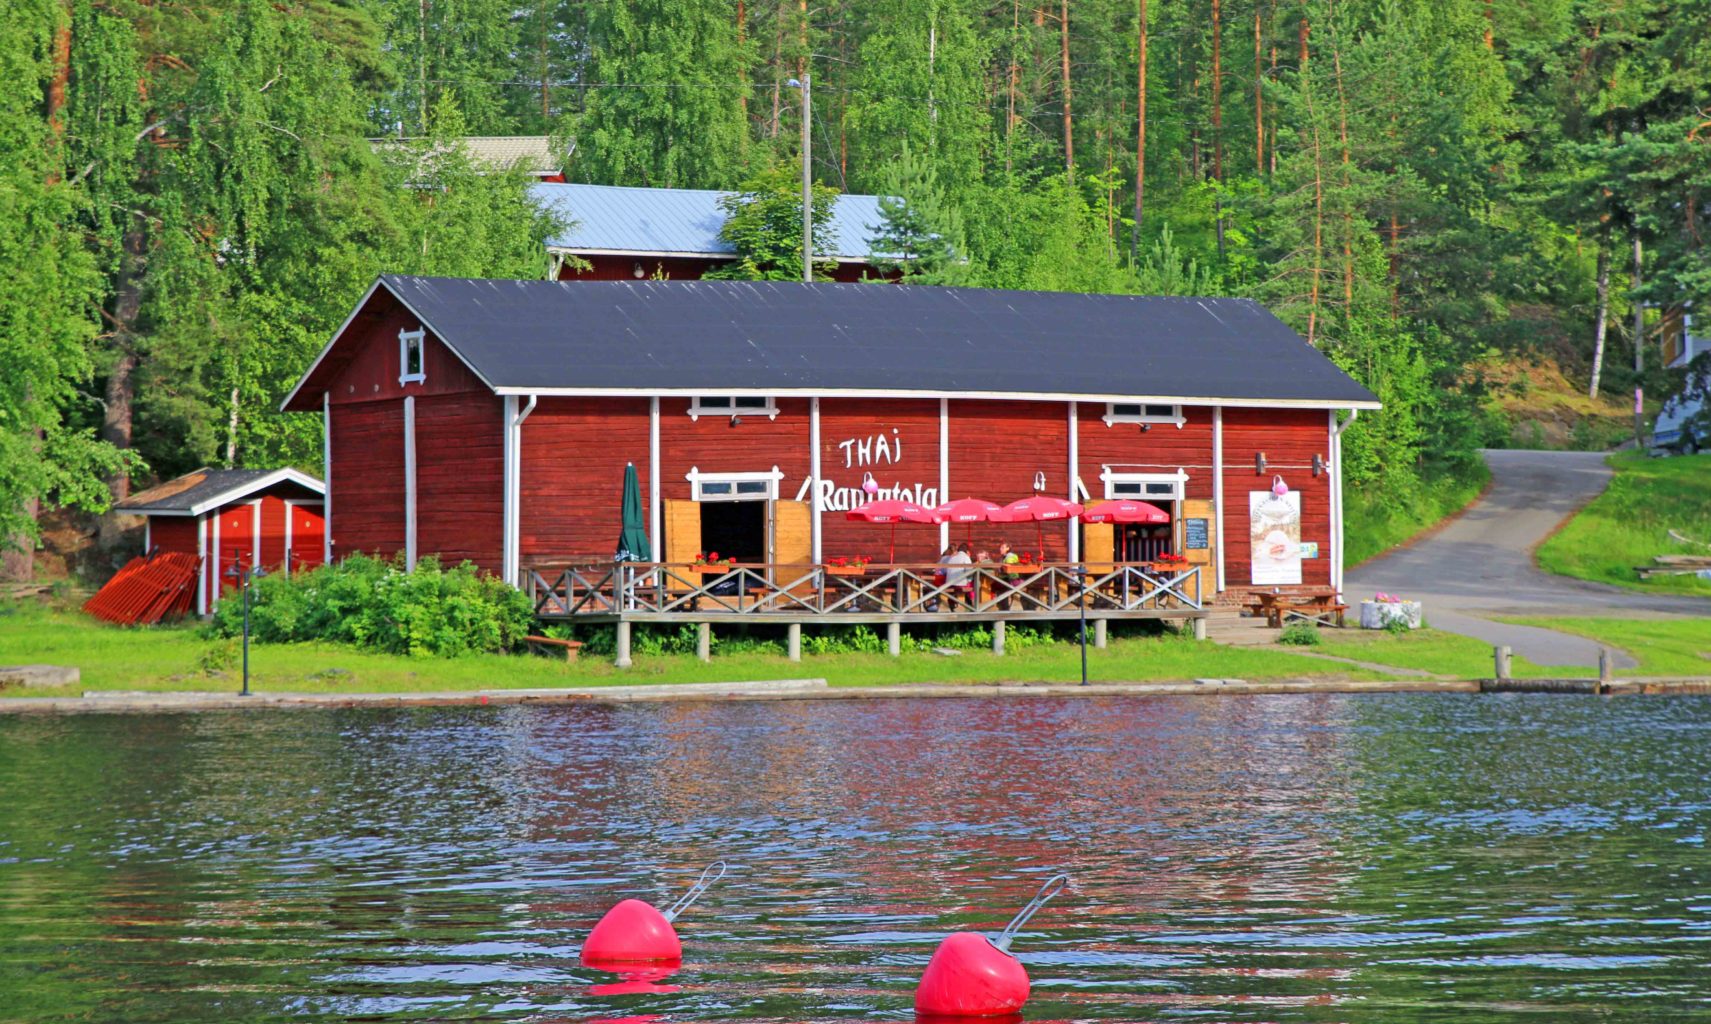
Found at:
(1380, 614)
(846, 570)
(719, 569)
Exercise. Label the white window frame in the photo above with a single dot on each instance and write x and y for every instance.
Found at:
(1113, 417)
(698, 407)
(405, 340)
(699, 480)
(1178, 482)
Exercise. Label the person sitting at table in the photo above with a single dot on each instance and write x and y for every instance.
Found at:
(1005, 555)
(959, 580)
(939, 576)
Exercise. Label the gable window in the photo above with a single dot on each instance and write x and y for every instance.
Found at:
(1145, 486)
(1143, 412)
(734, 486)
(410, 366)
(732, 405)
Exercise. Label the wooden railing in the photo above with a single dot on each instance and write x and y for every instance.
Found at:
(567, 591)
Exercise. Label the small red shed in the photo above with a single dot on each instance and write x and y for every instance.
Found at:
(270, 518)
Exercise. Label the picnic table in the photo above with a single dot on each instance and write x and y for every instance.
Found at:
(1319, 608)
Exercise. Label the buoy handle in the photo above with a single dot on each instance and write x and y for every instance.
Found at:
(713, 873)
(1053, 886)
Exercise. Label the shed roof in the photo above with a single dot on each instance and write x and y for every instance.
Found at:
(781, 338)
(679, 221)
(531, 154)
(206, 489)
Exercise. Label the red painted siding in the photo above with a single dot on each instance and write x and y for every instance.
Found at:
(460, 472)
(712, 444)
(308, 535)
(1289, 438)
(573, 457)
(272, 541)
(1162, 448)
(173, 533)
(367, 479)
(897, 440)
(996, 448)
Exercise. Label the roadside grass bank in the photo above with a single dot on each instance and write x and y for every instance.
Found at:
(1663, 647)
(182, 657)
(1628, 525)
(1370, 529)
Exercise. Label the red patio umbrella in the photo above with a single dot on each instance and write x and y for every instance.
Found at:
(1124, 511)
(966, 510)
(892, 511)
(1039, 509)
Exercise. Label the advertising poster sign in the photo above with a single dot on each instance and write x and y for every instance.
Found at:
(1274, 531)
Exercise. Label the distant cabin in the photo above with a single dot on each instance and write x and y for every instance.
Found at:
(266, 518)
(534, 155)
(633, 234)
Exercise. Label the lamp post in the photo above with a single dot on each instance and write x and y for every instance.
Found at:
(244, 577)
(807, 181)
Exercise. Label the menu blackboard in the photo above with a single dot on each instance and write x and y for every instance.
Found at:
(1194, 534)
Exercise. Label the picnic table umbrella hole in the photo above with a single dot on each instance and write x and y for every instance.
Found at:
(892, 511)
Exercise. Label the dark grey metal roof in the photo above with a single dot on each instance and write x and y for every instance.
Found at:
(772, 337)
(196, 492)
(685, 221)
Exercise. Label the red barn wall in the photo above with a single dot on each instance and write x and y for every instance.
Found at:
(573, 456)
(996, 448)
(173, 533)
(1163, 448)
(366, 482)
(712, 445)
(895, 439)
(460, 475)
(1289, 438)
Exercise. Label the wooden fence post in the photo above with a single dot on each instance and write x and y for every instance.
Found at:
(1500, 655)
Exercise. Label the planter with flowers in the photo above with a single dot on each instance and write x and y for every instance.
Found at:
(848, 565)
(1023, 563)
(1390, 611)
(710, 562)
(1169, 563)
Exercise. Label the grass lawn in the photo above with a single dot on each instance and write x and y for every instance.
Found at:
(1663, 647)
(1370, 530)
(1630, 522)
(180, 658)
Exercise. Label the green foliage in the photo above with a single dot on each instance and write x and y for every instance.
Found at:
(1629, 524)
(920, 234)
(427, 611)
(1300, 634)
(764, 222)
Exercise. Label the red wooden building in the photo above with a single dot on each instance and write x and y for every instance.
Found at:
(259, 517)
(493, 420)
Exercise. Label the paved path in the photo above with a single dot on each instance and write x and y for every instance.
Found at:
(1481, 565)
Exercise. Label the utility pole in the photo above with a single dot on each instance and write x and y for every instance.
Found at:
(807, 184)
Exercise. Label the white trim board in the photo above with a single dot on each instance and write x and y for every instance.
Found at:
(925, 394)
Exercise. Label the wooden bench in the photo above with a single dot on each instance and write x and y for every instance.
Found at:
(1280, 609)
(550, 643)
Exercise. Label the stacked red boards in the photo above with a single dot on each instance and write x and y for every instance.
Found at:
(148, 590)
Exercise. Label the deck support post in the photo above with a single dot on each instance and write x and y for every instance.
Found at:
(793, 640)
(1500, 661)
(894, 638)
(1099, 626)
(704, 641)
(998, 637)
(623, 658)
(1200, 629)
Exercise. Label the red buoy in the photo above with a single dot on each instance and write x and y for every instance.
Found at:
(971, 975)
(635, 932)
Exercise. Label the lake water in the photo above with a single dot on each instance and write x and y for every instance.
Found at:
(1413, 858)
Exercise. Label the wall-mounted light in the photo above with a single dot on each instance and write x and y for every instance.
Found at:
(868, 484)
(1259, 462)
(736, 420)
(1146, 427)
(1318, 464)
(637, 272)
(1040, 482)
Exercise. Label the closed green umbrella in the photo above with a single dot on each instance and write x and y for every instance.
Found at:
(634, 539)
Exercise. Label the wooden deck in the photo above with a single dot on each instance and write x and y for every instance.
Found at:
(890, 595)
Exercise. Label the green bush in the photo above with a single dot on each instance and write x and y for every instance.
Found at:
(428, 611)
(1300, 634)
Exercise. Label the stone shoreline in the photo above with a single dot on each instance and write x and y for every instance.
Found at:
(149, 702)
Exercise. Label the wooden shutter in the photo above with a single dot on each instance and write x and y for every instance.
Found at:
(792, 539)
(1098, 546)
(682, 539)
(1207, 557)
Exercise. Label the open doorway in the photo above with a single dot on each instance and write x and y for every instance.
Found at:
(734, 529)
